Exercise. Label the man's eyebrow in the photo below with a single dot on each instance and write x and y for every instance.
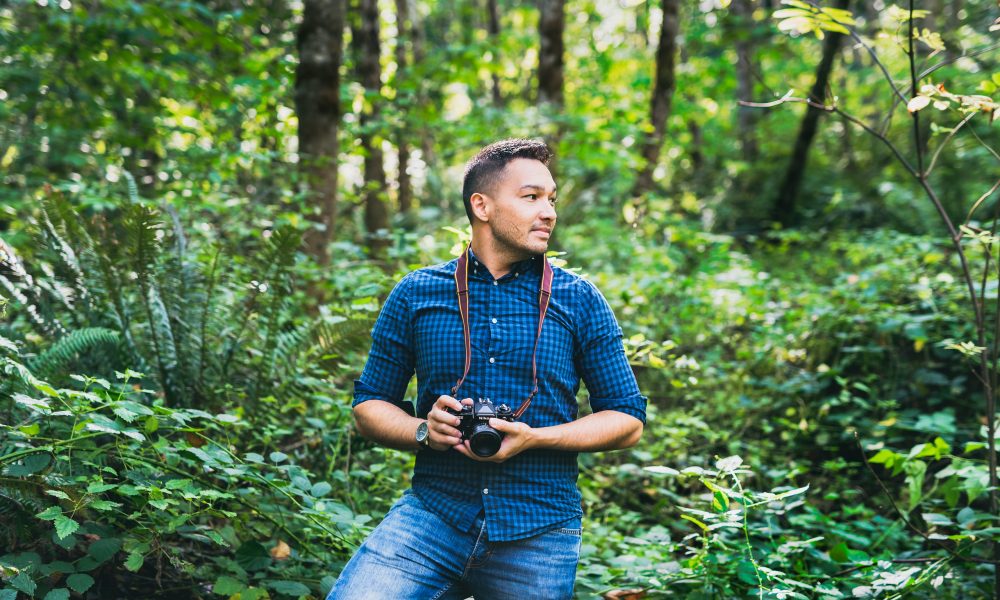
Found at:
(533, 186)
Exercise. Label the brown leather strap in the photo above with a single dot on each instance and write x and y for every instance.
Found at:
(462, 289)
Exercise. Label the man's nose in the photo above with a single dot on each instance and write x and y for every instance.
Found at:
(548, 212)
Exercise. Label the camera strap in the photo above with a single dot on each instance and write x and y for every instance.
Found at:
(462, 287)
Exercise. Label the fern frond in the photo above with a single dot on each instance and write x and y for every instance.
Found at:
(133, 189)
(68, 261)
(47, 325)
(70, 348)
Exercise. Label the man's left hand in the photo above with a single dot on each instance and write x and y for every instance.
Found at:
(518, 437)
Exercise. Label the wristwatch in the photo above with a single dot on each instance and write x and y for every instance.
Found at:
(423, 435)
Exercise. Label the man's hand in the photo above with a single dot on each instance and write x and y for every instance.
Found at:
(442, 425)
(518, 438)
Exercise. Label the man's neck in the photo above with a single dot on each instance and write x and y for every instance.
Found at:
(498, 261)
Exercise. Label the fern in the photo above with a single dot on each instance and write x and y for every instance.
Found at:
(20, 501)
(69, 348)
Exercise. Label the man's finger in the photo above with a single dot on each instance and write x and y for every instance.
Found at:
(437, 415)
(504, 426)
(447, 402)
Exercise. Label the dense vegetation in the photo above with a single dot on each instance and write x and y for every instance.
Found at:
(809, 297)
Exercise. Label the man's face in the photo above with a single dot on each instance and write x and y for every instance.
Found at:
(522, 212)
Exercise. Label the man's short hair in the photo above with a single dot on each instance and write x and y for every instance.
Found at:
(483, 171)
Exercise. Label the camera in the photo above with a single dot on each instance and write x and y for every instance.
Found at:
(475, 426)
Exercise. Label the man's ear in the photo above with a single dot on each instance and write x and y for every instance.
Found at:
(480, 206)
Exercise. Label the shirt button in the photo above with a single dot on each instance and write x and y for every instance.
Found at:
(516, 274)
(486, 490)
(495, 283)
(493, 321)
(492, 360)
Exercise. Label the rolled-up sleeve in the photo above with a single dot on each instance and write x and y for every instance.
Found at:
(390, 363)
(600, 357)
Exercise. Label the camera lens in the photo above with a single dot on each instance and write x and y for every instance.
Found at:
(485, 441)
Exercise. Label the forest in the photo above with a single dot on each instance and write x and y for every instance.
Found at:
(791, 207)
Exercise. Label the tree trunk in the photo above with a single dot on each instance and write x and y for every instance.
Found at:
(405, 189)
(785, 205)
(367, 52)
(664, 84)
(494, 31)
(317, 104)
(551, 23)
(746, 116)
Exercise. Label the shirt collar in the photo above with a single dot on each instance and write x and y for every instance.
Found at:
(517, 269)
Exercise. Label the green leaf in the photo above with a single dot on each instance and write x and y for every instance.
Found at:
(292, 588)
(695, 521)
(936, 519)
(104, 505)
(50, 513)
(178, 484)
(253, 593)
(98, 487)
(30, 465)
(104, 548)
(839, 552)
(253, 556)
(57, 594)
(216, 537)
(80, 582)
(227, 586)
(321, 489)
(65, 526)
(720, 502)
(278, 456)
(8, 594)
(134, 561)
(24, 583)
(58, 494)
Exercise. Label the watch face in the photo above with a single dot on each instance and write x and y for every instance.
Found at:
(422, 433)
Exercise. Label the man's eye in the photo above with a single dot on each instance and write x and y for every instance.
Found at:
(532, 196)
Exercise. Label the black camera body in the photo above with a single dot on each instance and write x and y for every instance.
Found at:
(475, 425)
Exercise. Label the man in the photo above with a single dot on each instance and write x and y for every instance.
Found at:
(506, 525)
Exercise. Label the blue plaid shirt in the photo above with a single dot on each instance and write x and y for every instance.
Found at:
(420, 329)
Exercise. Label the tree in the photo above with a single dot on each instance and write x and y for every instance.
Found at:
(405, 187)
(551, 24)
(494, 31)
(746, 116)
(664, 84)
(786, 203)
(320, 42)
(367, 49)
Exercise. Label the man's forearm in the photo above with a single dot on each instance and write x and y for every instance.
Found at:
(387, 424)
(604, 430)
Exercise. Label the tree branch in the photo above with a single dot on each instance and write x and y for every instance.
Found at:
(946, 140)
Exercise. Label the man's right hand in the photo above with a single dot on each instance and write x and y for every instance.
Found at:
(442, 426)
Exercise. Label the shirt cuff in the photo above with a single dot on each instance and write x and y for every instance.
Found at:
(633, 407)
(364, 392)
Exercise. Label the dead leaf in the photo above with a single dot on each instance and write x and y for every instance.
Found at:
(632, 594)
(281, 551)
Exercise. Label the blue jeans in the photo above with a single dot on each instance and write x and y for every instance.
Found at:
(414, 554)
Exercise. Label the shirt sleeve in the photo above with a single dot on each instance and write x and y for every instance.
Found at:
(390, 364)
(600, 358)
